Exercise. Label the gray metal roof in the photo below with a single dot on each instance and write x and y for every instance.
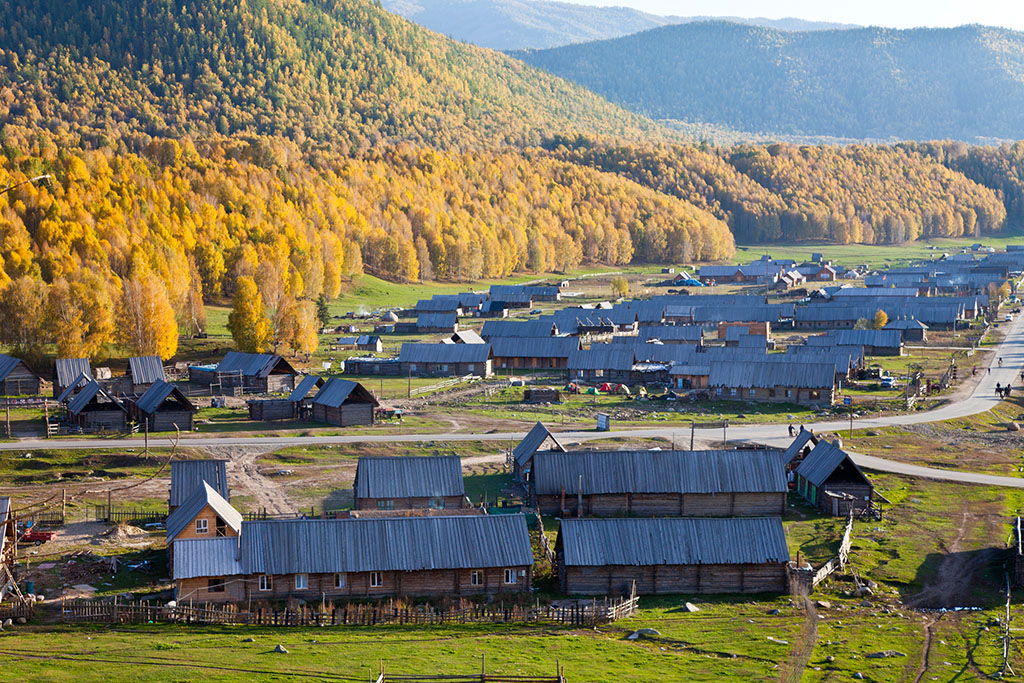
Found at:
(439, 303)
(337, 391)
(189, 475)
(254, 364)
(146, 369)
(516, 328)
(444, 353)
(878, 338)
(393, 544)
(7, 365)
(159, 392)
(467, 337)
(68, 369)
(534, 347)
(801, 440)
(770, 374)
(202, 496)
(91, 391)
(444, 320)
(603, 357)
(202, 557)
(534, 439)
(822, 461)
(409, 477)
(676, 541)
(671, 333)
(500, 292)
(304, 387)
(905, 324)
(599, 472)
(70, 389)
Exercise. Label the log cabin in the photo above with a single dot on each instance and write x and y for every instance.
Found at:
(773, 381)
(533, 353)
(446, 360)
(409, 483)
(68, 372)
(830, 480)
(344, 403)
(94, 408)
(337, 559)
(17, 378)
(259, 373)
(298, 405)
(658, 483)
(163, 408)
(679, 555)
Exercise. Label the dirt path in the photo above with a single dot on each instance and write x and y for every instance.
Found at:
(800, 657)
(953, 580)
(242, 465)
(925, 649)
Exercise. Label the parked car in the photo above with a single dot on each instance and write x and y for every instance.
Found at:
(37, 537)
(889, 382)
(1008, 317)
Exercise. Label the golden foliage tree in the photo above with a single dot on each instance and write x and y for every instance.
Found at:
(247, 322)
(148, 325)
(23, 312)
(881, 319)
(299, 327)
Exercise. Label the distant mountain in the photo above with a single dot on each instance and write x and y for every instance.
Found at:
(538, 24)
(963, 83)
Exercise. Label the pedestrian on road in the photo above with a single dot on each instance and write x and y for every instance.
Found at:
(974, 370)
(1000, 361)
(990, 370)
(1006, 392)
(1022, 377)
(802, 429)
(791, 430)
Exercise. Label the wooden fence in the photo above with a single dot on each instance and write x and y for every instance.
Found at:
(587, 613)
(14, 610)
(803, 581)
(441, 385)
(110, 515)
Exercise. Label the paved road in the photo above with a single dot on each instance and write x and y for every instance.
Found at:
(981, 399)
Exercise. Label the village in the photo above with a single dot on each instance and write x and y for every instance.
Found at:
(544, 453)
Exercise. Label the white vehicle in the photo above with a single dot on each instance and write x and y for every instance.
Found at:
(1007, 318)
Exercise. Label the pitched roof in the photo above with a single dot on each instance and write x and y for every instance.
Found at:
(822, 461)
(467, 337)
(200, 557)
(439, 303)
(534, 347)
(70, 388)
(905, 324)
(879, 338)
(254, 364)
(85, 396)
(671, 333)
(201, 497)
(517, 328)
(767, 374)
(188, 475)
(68, 369)
(801, 440)
(603, 357)
(675, 541)
(444, 320)
(444, 353)
(534, 439)
(409, 477)
(337, 391)
(391, 544)
(159, 392)
(146, 369)
(8, 364)
(599, 472)
(304, 387)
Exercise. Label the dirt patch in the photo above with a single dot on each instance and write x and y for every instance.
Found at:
(242, 467)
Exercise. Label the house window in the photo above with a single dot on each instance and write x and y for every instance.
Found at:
(266, 583)
(376, 579)
(598, 373)
(718, 391)
(476, 578)
(752, 393)
(301, 582)
(215, 585)
(436, 503)
(412, 367)
(471, 367)
(202, 526)
(510, 576)
(789, 393)
(732, 392)
(339, 580)
(386, 504)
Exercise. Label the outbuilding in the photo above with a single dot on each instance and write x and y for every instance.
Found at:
(17, 378)
(298, 405)
(164, 408)
(538, 439)
(344, 403)
(93, 408)
(830, 480)
(68, 372)
(144, 371)
(258, 373)
(409, 483)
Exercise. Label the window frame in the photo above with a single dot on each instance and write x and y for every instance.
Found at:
(216, 585)
(202, 526)
(304, 579)
(511, 573)
(376, 579)
(266, 583)
(340, 579)
(476, 578)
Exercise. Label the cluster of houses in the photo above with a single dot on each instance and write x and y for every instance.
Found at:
(659, 521)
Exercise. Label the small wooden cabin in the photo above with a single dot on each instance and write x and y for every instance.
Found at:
(68, 372)
(144, 371)
(164, 408)
(446, 360)
(829, 479)
(344, 403)
(409, 483)
(534, 352)
(339, 559)
(659, 483)
(17, 378)
(298, 405)
(189, 475)
(804, 442)
(537, 440)
(260, 373)
(679, 555)
(93, 408)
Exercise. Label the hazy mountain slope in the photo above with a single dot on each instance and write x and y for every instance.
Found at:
(538, 24)
(963, 83)
(315, 71)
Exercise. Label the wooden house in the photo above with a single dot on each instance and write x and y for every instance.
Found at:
(164, 408)
(409, 483)
(802, 445)
(533, 353)
(537, 440)
(338, 559)
(344, 403)
(829, 479)
(887, 342)
(187, 476)
(362, 342)
(678, 555)
(773, 381)
(258, 373)
(446, 360)
(386, 367)
(298, 405)
(93, 408)
(602, 363)
(437, 323)
(530, 292)
(17, 378)
(68, 372)
(144, 371)
(658, 483)
(910, 330)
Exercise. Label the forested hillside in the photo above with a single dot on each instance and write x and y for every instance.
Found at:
(964, 83)
(538, 24)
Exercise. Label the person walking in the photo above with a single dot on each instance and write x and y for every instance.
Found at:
(792, 431)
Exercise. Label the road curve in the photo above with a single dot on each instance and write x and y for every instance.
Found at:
(983, 398)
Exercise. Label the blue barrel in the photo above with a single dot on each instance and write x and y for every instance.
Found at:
(30, 586)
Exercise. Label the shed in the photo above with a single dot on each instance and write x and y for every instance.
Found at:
(93, 409)
(17, 378)
(538, 439)
(189, 475)
(910, 330)
(796, 452)
(533, 352)
(164, 408)
(659, 483)
(260, 373)
(143, 371)
(344, 403)
(298, 405)
(431, 323)
(409, 483)
(830, 479)
(68, 371)
(446, 360)
(680, 555)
